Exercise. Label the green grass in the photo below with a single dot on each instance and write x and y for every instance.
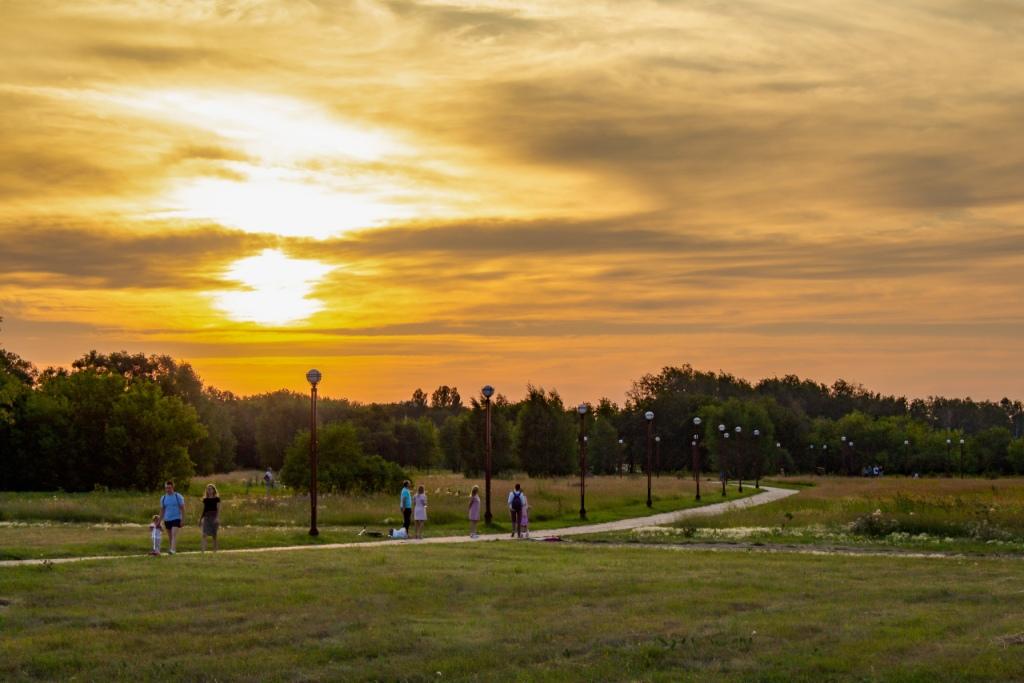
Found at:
(521, 612)
(969, 515)
(51, 525)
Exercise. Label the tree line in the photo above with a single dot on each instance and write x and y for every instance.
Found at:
(124, 420)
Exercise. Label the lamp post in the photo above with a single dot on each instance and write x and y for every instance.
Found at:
(696, 456)
(739, 457)
(657, 455)
(851, 456)
(906, 453)
(313, 377)
(723, 474)
(757, 460)
(620, 458)
(487, 391)
(961, 458)
(846, 461)
(582, 409)
(949, 445)
(649, 416)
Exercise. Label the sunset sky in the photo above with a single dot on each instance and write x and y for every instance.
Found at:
(568, 193)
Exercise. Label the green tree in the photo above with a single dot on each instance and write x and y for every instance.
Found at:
(1015, 456)
(342, 465)
(603, 449)
(545, 434)
(148, 439)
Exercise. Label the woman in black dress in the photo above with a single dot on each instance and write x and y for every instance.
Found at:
(209, 522)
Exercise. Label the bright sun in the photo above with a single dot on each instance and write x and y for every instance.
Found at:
(277, 289)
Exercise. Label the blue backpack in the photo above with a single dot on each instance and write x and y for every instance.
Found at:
(517, 501)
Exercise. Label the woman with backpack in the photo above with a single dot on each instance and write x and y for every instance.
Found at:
(516, 503)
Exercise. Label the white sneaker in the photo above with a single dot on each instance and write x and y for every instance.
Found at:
(171, 552)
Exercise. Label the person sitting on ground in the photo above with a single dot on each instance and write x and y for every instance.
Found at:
(516, 503)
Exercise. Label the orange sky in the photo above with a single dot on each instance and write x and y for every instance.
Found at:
(572, 194)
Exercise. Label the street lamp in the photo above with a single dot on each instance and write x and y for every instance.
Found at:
(313, 377)
(846, 460)
(961, 458)
(582, 409)
(487, 392)
(724, 474)
(649, 416)
(739, 457)
(949, 445)
(696, 456)
(620, 457)
(657, 455)
(757, 461)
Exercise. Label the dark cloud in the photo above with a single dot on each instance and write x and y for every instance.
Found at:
(76, 256)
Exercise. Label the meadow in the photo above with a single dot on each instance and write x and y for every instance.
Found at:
(964, 515)
(50, 525)
(524, 612)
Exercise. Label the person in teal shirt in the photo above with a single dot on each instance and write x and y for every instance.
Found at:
(405, 504)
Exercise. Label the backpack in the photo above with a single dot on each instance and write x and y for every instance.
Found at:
(517, 501)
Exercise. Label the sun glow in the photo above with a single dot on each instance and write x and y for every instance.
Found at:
(277, 289)
(285, 165)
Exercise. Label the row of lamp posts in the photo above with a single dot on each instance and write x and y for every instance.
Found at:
(314, 376)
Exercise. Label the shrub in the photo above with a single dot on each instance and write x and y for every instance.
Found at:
(875, 525)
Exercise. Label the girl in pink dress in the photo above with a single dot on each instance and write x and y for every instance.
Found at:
(474, 511)
(524, 520)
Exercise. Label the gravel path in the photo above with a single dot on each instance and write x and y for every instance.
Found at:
(768, 495)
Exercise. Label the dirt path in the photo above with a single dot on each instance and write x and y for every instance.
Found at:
(768, 495)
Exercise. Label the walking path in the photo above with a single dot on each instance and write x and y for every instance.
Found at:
(768, 495)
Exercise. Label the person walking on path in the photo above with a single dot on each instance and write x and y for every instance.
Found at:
(209, 521)
(172, 512)
(405, 505)
(474, 511)
(154, 535)
(516, 503)
(420, 501)
(268, 480)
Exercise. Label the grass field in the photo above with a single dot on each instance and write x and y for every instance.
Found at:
(521, 612)
(50, 525)
(966, 515)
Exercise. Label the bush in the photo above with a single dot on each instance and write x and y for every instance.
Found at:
(875, 525)
(342, 465)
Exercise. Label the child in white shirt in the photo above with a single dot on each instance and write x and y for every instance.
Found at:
(524, 520)
(154, 534)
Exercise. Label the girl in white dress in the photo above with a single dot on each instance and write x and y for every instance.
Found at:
(419, 512)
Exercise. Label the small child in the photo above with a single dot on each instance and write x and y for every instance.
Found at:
(524, 521)
(154, 534)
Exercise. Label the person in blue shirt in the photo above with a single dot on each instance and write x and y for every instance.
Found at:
(405, 505)
(172, 513)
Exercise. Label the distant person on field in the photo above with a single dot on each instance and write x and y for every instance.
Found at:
(209, 521)
(474, 511)
(172, 513)
(405, 505)
(268, 480)
(420, 501)
(155, 535)
(516, 503)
